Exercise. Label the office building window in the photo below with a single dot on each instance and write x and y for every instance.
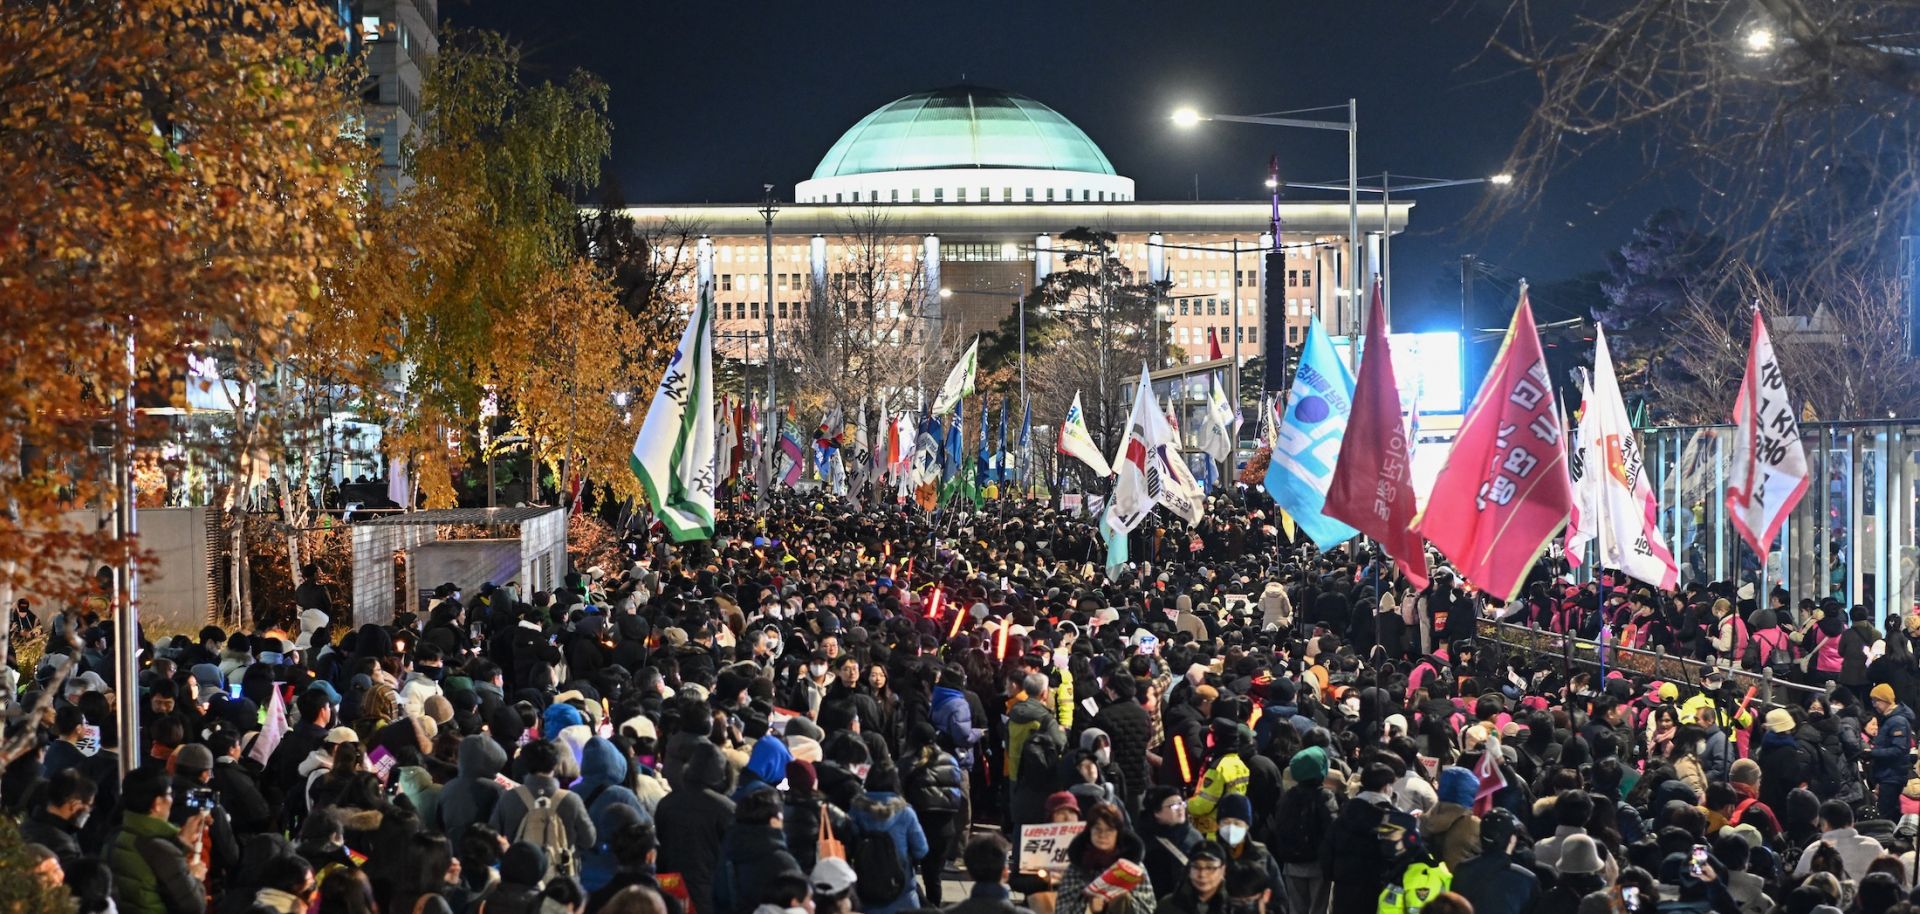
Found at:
(916, 195)
(1183, 306)
(1253, 335)
(939, 194)
(1049, 195)
(1306, 277)
(1085, 195)
(754, 310)
(896, 195)
(726, 282)
(780, 282)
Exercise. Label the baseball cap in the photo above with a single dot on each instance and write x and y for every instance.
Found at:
(831, 876)
(340, 735)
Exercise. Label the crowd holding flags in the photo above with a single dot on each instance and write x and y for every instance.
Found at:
(1519, 473)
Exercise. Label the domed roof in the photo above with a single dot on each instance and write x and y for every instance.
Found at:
(963, 127)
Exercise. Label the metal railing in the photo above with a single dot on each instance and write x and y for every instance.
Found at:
(1656, 663)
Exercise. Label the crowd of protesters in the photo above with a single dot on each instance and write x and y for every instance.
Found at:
(835, 711)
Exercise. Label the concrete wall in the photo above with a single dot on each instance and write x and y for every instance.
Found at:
(175, 584)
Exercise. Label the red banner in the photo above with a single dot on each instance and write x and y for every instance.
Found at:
(1372, 488)
(1503, 493)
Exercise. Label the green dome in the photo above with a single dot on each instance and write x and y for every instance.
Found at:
(963, 127)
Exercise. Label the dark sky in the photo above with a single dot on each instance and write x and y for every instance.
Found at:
(710, 100)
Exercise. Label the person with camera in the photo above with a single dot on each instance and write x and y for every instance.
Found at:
(193, 785)
(158, 867)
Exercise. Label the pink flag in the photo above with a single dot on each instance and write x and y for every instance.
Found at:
(1769, 473)
(273, 727)
(1372, 488)
(1503, 493)
(1491, 778)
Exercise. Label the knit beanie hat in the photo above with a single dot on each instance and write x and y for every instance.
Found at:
(1309, 764)
(1236, 806)
(1457, 786)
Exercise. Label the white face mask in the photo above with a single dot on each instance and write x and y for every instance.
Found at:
(1233, 834)
(1103, 754)
(817, 669)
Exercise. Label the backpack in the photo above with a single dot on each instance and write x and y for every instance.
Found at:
(542, 826)
(879, 875)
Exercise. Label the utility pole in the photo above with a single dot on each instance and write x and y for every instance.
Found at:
(771, 436)
(126, 628)
(1467, 269)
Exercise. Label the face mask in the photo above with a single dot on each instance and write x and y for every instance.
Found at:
(1104, 755)
(1233, 834)
(817, 669)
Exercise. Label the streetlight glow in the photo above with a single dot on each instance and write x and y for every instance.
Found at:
(1185, 117)
(946, 293)
(1761, 40)
(1502, 179)
(1272, 183)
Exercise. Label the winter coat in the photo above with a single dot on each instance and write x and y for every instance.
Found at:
(953, 721)
(150, 872)
(1127, 726)
(1070, 896)
(1892, 751)
(1785, 763)
(1275, 608)
(801, 816)
(240, 796)
(1854, 644)
(512, 809)
(603, 771)
(1167, 850)
(473, 793)
(1031, 722)
(695, 818)
(933, 786)
(53, 833)
(1452, 833)
(1495, 884)
(879, 812)
(751, 857)
(1352, 858)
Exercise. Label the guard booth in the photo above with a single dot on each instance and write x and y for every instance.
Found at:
(398, 559)
(1183, 389)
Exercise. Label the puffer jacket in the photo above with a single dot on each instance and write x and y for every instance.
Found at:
(802, 819)
(603, 773)
(1452, 831)
(882, 812)
(695, 817)
(150, 872)
(932, 783)
(1029, 724)
(1126, 724)
(471, 795)
(954, 722)
(1892, 751)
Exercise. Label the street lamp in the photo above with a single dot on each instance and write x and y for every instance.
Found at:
(1389, 183)
(1190, 117)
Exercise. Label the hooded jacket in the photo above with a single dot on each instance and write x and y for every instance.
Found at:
(766, 767)
(695, 817)
(472, 793)
(953, 720)
(886, 813)
(603, 772)
(751, 857)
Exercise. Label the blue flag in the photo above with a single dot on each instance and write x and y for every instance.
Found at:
(983, 464)
(1310, 435)
(954, 450)
(1002, 473)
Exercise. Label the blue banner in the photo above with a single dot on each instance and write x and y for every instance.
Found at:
(1309, 439)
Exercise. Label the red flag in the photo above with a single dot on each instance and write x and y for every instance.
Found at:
(1213, 345)
(1503, 493)
(1372, 488)
(1491, 778)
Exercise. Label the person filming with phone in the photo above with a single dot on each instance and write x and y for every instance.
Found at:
(158, 866)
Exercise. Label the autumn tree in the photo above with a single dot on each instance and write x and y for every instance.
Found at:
(475, 299)
(173, 176)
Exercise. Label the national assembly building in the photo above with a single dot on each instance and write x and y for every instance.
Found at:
(981, 183)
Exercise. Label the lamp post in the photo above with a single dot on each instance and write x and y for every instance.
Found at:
(1385, 190)
(1188, 117)
(770, 435)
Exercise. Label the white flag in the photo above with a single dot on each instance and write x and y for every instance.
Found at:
(1626, 517)
(1075, 442)
(1169, 479)
(272, 730)
(1136, 486)
(399, 484)
(1581, 524)
(1216, 430)
(673, 454)
(959, 380)
(1769, 472)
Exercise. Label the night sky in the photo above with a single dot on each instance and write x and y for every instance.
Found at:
(711, 100)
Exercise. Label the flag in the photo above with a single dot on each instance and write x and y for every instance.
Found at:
(925, 475)
(1213, 346)
(859, 457)
(1372, 486)
(1116, 539)
(1492, 779)
(1002, 472)
(399, 485)
(959, 479)
(1169, 477)
(983, 464)
(1216, 427)
(1627, 517)
(727, 451)
(1582, 521)
(1503, 493)
(1075, 441)
(1301, 466)
(959, 380)
(673, 454)
(1136, 484)
(1269, 423)
(791, 459)
(1769, 472)
(273, 728)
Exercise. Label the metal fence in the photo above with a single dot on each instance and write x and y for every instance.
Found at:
(1852, 537)
(1656, 663)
